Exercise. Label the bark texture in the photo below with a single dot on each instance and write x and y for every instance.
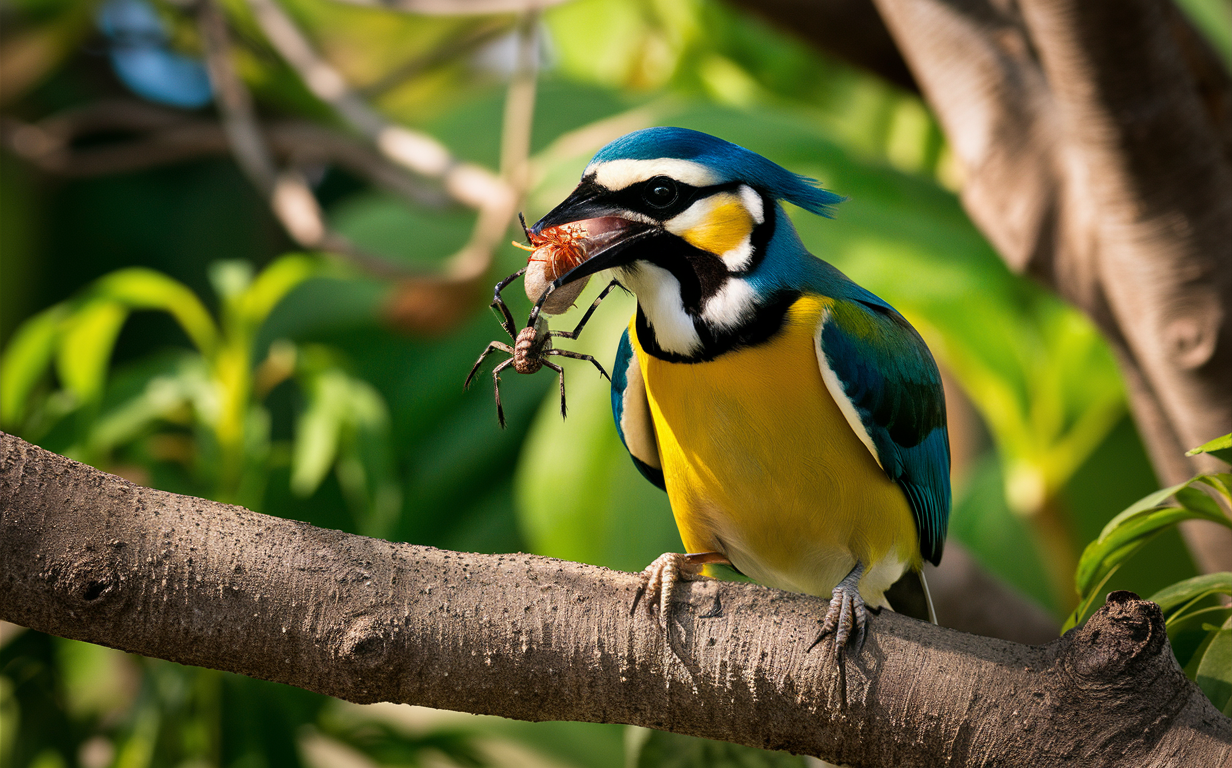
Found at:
(90, 556)
(1096, 140)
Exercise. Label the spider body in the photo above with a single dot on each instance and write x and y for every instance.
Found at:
(533, 344)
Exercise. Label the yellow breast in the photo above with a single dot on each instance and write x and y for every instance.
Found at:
(761, 465)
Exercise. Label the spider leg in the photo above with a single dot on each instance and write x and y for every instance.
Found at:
(491, 348)
(500, 412)
(499, 303)
(525, 229)
(569, 353)
(590, 311)
(561, 371)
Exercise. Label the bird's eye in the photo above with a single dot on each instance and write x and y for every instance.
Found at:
(660, 192)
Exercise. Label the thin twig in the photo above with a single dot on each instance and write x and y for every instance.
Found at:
(470, 184)
(471, 39)
(162, 136)
(287, 190)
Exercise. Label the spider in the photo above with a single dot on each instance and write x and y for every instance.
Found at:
(533, 344)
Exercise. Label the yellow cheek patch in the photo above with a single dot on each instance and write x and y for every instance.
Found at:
(723, 227)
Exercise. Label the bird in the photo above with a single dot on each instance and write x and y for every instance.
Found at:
(795, 419)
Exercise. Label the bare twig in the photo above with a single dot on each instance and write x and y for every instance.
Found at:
(160, 136)
(471, 39)
(287, 190)
(92, 557)
(420, 153)
(421, 305)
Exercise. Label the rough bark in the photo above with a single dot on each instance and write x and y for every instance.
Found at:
(93, 557)
(1096, 140)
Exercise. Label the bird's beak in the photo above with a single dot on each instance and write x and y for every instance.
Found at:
(610, 236)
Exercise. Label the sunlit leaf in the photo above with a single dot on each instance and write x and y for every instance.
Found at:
(25, 360)
(1220, 447)
(87, 339)
(318, 431)
(140, 288)
(1110, 548)
(274, 282)
(168, 390)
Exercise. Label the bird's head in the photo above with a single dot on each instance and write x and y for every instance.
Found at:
(688, 221)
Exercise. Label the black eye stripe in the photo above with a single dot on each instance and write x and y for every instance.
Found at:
(634, 196)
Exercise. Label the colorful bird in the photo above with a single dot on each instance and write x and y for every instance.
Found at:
(796, 421)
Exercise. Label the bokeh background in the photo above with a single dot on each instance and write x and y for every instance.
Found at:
(291, 331)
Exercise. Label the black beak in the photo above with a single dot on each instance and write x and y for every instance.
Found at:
(611, 235)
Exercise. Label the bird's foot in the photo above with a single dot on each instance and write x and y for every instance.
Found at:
(660, 578)
(847, 617)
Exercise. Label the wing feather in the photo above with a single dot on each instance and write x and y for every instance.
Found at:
(631, 410)
(887, 385)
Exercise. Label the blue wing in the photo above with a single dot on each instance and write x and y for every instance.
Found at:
(894, 389)
(631, 410)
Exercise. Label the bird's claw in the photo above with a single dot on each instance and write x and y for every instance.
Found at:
(658, 581)
(847, 617)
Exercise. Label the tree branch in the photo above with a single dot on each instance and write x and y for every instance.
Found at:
(90, 556)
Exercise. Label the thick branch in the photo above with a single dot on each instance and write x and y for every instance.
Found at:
(90, 556)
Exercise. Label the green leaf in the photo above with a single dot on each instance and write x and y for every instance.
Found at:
(26, 358)
(1171, 597)
(86, 341)
(140, 288)
(1141, 520)
(660, 749)
(1115, 546)
(1220, 448)
(1220, 482)
(318, 432)
(1214, 675)
(274, 282)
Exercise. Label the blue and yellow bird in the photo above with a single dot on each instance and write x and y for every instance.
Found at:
(796, 421)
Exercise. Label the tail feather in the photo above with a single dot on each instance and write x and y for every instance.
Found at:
(910, 597)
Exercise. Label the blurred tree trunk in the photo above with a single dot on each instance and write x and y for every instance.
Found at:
(1096, 140)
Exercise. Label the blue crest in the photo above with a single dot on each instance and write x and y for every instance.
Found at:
(729, 161)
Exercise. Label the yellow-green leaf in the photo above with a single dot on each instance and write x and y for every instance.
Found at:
(86, 341)
(1220, 448)
(140, 288)
(26, 359)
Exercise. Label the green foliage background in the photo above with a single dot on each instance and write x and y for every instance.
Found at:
(154, 325)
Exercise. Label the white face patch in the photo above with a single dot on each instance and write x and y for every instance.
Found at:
(658, 294)
(732, 306)
(739, 258)
(752, 203)
(835, 387)
(618, 174)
